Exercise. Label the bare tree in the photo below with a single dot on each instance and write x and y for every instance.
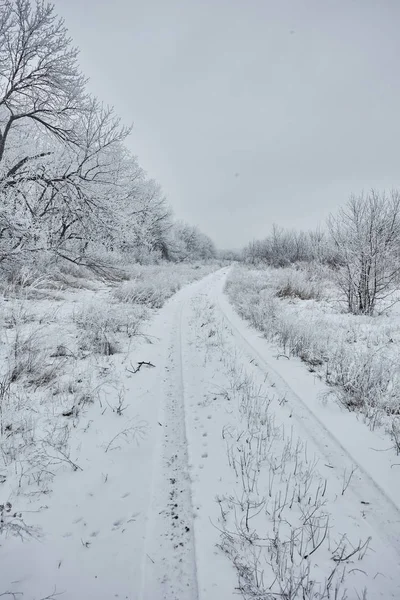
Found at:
(39, 77)
(67, 193)
(67, 182)
(60, 149)
(366, 233)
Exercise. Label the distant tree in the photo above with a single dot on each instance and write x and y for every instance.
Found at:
(366, 234)
(284, 247)
(230, 255)
(189, 243)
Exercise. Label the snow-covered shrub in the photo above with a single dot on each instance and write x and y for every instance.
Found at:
(302, 282)
(100, 326)
(365, 379)
(147, 293)
(291, 289)
(26, 359)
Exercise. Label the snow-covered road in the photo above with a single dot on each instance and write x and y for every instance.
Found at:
(164, 517)
(191, 467)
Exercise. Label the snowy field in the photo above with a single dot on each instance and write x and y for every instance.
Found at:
(171, 453)
(174, 424)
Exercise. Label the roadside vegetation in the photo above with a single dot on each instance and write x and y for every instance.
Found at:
(331, 299)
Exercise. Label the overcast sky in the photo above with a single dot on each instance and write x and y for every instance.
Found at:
(250, 112)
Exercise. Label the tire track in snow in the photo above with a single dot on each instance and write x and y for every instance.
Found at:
(384, 516)
(170, 558)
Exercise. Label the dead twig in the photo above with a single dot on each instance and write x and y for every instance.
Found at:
(140, 364)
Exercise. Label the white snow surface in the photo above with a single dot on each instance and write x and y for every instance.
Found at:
(139, 519)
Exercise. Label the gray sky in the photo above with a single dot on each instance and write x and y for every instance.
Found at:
(250, 112)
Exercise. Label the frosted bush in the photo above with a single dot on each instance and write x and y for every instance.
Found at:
(100, 326)
(365, 379)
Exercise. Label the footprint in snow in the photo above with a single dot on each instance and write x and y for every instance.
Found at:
(94, 533)
(117, 523)
(204, 455)
(133, 518)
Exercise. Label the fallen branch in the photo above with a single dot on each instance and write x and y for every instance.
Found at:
(140, 365)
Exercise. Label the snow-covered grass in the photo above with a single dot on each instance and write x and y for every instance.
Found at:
(100, 325)
(358, 356)
(152, 285)
(282, 524)
(65, 344)
(133, 471)
(279, 516)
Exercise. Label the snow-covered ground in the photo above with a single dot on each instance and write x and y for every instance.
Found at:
(74, 424)
(213, 469)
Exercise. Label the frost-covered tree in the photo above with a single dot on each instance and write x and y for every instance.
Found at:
(67, 182)
(39, 78)
(189, 243)
(64, 190)
(144, 216)
(58, 147)
(366, 233)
